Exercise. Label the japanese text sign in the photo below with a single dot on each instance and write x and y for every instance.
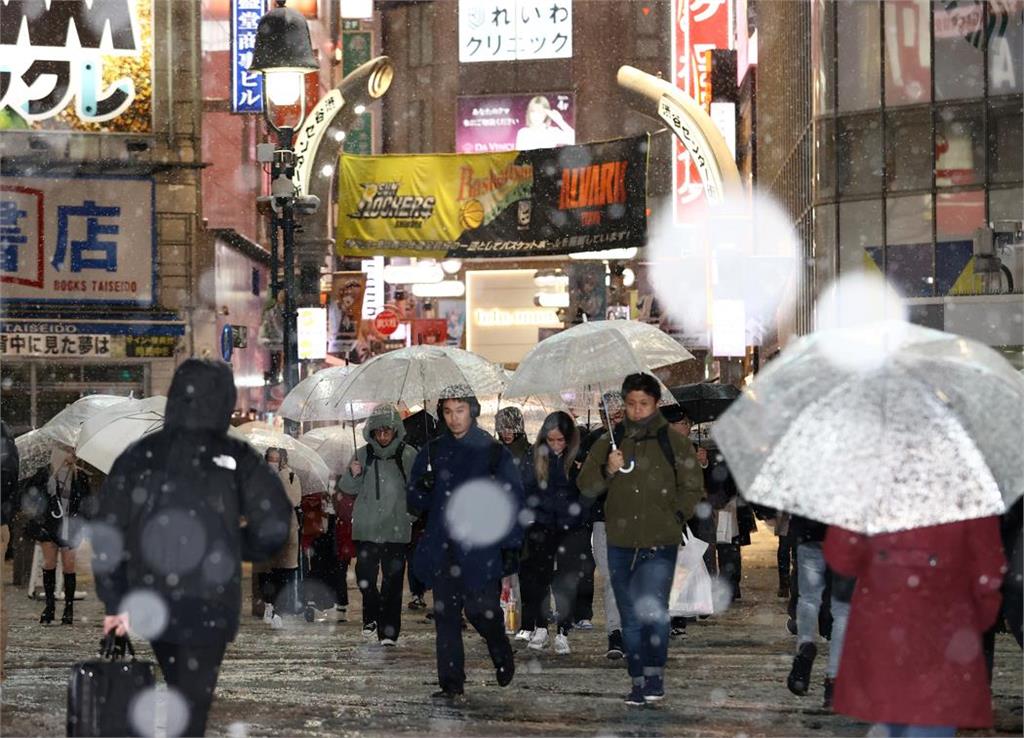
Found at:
(487, 124)
(77, 66)
(78, 240)
(246, 86)
(514, 30)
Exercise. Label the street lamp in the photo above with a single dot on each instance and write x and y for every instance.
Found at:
(284, 54)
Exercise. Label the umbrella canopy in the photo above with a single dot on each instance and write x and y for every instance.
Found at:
(304, 461)
(418, 374)
(598, 354)
(34, 449)
(64, 427)
(333, 444)
(313, 399)
(705, 402)
(922, 434)
(109, 432)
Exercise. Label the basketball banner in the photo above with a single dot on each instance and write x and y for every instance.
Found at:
(588, 197)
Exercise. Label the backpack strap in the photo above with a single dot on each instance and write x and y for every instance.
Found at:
(496, 449)
(398, 460)
(666, 448)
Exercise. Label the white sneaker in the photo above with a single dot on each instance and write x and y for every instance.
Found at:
(524, 635)
(276, 622)
(268, 614)
(584, 625)
(389, 642)
(562, 644)
(370, 629)
(539, 639)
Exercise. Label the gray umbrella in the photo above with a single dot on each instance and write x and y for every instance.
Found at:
(919, 428)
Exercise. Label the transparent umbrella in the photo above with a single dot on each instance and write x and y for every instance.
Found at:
(108, 433)
(64, 427)
(313, 399)
(334, 444)
(306, 463)
(34, 449)
(880, 428)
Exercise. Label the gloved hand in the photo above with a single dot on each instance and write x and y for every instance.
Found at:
(509, 561)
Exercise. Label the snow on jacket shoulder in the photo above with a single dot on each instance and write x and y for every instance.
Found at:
(182, 507)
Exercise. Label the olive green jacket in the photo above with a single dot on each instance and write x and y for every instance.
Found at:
(650, 505)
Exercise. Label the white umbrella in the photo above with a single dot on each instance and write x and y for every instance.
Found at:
(920, 428)
(418, 374)
(34, 449)
(334, 444)
(108, 433)
(594, 355)
(313, 399)
(304, 461)
(63, 428)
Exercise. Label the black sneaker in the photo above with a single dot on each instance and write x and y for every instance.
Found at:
(505, 672)
(635, 698)
(369, 629)
(417, 603)
(447, 695)
(615, 650)
(799, 680)
(654, 689)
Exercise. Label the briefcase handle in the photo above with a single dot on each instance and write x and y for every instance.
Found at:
(115, 647)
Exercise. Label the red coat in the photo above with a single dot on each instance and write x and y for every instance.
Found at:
(343, 505)
(912, 652)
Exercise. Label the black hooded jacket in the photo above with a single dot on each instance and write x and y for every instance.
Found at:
(181, 509)
(8, 475)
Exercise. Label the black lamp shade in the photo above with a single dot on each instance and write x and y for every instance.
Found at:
(283, 43)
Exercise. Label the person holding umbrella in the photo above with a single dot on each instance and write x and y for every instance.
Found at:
(653, 483)
(381, 525)
(472, 492)
(283, 574)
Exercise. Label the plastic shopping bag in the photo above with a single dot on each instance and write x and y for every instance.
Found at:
(691, 586)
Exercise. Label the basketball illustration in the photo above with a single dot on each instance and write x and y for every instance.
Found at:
(472, 215)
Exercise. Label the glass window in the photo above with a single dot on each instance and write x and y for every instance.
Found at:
(909, 254)
(1006, 204)
(824, 159)
(908, 149)
(908, 70)
(1006, 140)
(825, 248)
(859, 148)
(959, 145)
(858, 54)
(1006, 51)
(823, 63)
(860, 235)
(959, 68)
(957, 216)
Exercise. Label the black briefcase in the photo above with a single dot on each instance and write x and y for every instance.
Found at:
(101, 691)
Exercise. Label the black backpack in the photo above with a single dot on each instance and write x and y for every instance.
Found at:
(663, 442)
(371, 458)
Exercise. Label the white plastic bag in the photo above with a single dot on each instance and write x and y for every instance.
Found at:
(691, 586)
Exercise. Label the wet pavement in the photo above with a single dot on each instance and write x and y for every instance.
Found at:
(726, 677)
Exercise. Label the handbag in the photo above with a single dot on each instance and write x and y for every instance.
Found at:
(101, 691)
(691, 593)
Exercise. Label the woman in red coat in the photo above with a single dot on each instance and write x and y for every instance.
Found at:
(912, 658)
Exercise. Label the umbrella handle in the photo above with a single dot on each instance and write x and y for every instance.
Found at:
(628, 469)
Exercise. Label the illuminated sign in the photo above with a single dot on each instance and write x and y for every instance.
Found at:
(502, 320)
(514, 30)
(246, 86)
(77, 66)
(311, 325)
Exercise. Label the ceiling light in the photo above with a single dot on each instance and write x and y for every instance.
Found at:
(552, 299)
(550, 278)
(419, 273)
(451, 266)
(628, 277)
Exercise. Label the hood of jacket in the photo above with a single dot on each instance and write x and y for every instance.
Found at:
(384, 416)
(202, 396)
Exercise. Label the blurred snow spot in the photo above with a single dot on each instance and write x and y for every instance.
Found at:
(856, 301)
(575, 509)
(964, 647)
(913, 580)
(533, 666)
(721, 594)
(650, 609)
(150, 708)
(173, 542)
(480, 513)
(238, 730)
(455, 571)
(147, 613)
(703, 510)
(718, 697)
(526, 518)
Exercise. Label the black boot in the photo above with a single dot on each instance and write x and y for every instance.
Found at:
(830, 688)
(50, 590)
(70, 581)
(799, 679)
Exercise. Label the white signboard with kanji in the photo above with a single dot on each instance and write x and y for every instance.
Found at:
(514, 30)
(77, 240)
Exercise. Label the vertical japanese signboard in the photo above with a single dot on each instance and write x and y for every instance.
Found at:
(514, 30)
(73, 66)
(697, 27)
(246, 86)
(78, 240)
(356, 49)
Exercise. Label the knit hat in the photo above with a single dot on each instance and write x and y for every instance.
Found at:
(510, 419)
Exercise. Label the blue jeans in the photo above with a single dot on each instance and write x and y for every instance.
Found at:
(642, 580)
(811, 572)
(899, 730)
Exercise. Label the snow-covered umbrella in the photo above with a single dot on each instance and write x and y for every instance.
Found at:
(34, 449)
(313, 399)
(304, 461)
(64, 427)
(109, 432)
(880, 428)
(334, 444)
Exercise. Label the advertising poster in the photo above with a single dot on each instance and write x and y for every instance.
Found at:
(345, 310)
(454, 314)
(542, 202)
(587, 293)
(488, 124)
(430, 332)
(514, 30)
(85, 67)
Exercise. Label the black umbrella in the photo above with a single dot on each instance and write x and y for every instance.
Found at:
(705, 402)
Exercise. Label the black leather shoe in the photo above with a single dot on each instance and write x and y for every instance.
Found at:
(68, 617)
(48, 614)
(799, 680)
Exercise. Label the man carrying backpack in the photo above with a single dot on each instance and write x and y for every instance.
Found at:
(179, 511)
(381, 526)
(472, 492)
(653, 483)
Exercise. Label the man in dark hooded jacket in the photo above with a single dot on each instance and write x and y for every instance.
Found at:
(472, 537)
(179, 511)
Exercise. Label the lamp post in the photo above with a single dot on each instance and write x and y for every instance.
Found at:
(283, 53)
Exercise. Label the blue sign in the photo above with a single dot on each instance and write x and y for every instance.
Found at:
(227, 342)
(246, 86)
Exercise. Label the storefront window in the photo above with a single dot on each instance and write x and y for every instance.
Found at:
(959, 145)
(823, 51)
(825, 247)
(858, 67)
(859, 148)
(957, 216)
(824, 159)
(908, 70)
(909, 254)
(1006, 52)
(1006, 140)
(860, 235)
(908, 149)
(1006, 204)
(959, 63)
